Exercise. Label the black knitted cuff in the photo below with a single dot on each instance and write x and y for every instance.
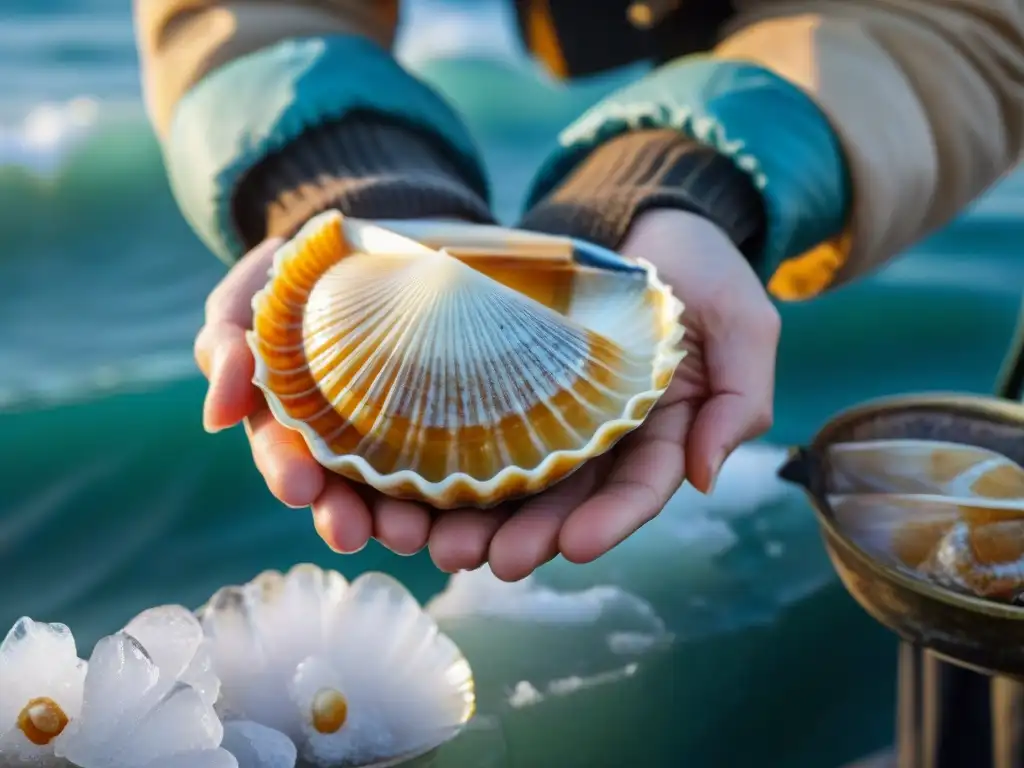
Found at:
(364, 166)
(643, 170)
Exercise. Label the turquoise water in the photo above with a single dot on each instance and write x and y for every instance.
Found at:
(716, 634)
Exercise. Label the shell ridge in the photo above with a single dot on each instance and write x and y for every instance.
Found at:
(260, 309)
(571, 354)
(318, 321)
(576, 366)
(401, 334)
(407, 404)
(338, 366)
(580, 344)
(360, 302)
(569, 388)
(377, 361)
(498, 370)
(300, 395)
(392, 369)
(516, 397)
(572, 336)
(472, 317)
(528, 348)
(455, 396)
(287, 291)
(324, 334)
(281, 348)
(430, 354)
(420, 402)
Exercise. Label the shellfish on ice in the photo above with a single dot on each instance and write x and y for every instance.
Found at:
(486, 366)
(948, 512)
(923, 466)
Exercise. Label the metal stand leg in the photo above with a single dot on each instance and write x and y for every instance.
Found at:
(909, 716)
(1007, 720)
(943, 715)
(951, 717)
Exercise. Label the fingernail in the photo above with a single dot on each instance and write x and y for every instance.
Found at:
(716, 468)
(338, 551)
(210, 428)
(215, 365)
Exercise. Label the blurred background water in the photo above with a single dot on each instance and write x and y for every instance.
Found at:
(717, 635)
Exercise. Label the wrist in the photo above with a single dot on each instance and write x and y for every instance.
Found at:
(363, 165)
(641, 171)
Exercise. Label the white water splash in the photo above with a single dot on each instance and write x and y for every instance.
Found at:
(432, 29)
(47, 133)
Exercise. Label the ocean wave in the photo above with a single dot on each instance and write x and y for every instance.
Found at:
(43, 392)
(433, 29)
(48, 133)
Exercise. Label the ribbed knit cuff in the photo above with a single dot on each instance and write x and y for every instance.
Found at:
(364, 166)
(643, 170)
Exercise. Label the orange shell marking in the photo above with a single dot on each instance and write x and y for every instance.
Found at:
(456, 380)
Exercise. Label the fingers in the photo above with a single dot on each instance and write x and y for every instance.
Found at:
(281, 456)
(401, 526)
(649, 468)
(221, 351)
(514, 542)
(460, 539)
(741, 343)
(530, 537)
(225, 358)
(722, 425)
(342, 517)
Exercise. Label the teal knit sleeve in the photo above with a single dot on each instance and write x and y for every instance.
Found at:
(255, 105)
(769, 128)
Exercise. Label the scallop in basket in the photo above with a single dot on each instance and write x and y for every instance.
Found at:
(949, 513)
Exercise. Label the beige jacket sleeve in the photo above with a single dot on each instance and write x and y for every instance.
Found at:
(181, 40)
(927, 97)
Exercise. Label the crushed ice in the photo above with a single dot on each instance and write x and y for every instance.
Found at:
(128, 706)
(298, 668)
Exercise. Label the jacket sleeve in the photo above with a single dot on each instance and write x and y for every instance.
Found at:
(866, 124)
(270, 111)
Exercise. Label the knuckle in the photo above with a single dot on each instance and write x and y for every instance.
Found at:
(213, 301)
(763, 419)
(762, 319)
(769, 320)
(201, 349)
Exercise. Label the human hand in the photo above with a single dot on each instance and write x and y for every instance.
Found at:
(721, 395)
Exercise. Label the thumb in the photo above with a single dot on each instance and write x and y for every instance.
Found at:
(221, 350)
(739, 352)
(228, 364)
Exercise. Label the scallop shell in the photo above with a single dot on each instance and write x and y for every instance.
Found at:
(465, 376)
(924, 467)
(908, 529)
